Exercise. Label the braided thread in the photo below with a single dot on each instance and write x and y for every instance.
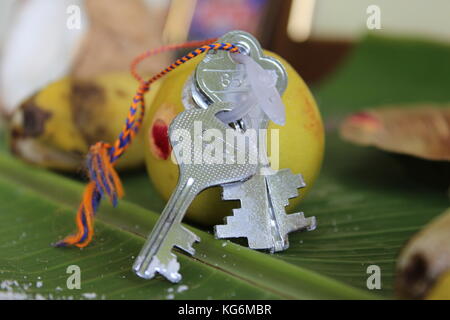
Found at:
(104, 179)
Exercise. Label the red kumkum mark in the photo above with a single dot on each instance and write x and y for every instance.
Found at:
(160, 139)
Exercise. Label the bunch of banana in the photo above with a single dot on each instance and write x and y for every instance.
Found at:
(55, 127)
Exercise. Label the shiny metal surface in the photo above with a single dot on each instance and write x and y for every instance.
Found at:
(218, 77)
(156, 255)
(262, 218)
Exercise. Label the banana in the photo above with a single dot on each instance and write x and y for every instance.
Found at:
(55, 127)
(423, 267)
(441, 290)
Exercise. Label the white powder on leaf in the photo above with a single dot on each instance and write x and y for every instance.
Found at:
(89, 295)
(182, 288)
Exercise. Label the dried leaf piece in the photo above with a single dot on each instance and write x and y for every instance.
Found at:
(421, 131)
(424, 259)
(119, 31)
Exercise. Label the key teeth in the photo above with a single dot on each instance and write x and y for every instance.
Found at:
(293, 221)
(292, 183)
(312, 223)
(189, 238)
(221, 232)
(188, 248)
(297, 221)
(232, 227)
(253, 244)
(167, 266)
(231, 223)
(231, 192)
(285, 246)
(170, 272)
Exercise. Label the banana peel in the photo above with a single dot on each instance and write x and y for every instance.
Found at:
(55, 127)
(423, 267)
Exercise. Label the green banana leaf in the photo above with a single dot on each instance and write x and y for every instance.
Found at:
(367, 203)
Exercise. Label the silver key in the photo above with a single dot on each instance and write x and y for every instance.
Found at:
(219, 78)
(262, 218)
(156, 255)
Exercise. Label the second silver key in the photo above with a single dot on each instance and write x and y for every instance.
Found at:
(156, 255)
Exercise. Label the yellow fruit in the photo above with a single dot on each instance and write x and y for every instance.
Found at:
(55, 127)
(301, 141)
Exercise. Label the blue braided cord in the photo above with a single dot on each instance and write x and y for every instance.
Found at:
(85, 228)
